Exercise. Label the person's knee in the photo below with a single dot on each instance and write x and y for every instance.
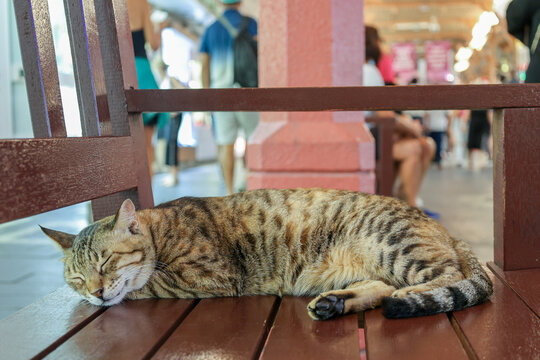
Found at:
(414, 148)
(407, 149)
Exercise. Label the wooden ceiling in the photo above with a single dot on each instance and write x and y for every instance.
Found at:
(418, 21)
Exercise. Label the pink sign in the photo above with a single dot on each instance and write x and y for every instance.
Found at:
(404, 62)
(438, 61)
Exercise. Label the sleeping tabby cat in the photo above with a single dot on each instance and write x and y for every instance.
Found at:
(353, 251)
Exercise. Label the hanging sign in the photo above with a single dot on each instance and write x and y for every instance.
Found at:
(404, 62)
(438, 61)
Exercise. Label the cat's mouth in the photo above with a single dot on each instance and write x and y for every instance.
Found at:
(118, 297)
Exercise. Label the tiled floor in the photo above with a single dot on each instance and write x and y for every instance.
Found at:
(30, 266)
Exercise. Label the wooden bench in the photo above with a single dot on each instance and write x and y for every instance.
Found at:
(108, 164)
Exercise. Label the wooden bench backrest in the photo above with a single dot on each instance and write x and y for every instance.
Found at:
(106, 165)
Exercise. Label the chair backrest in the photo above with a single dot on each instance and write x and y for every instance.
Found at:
(108, 163)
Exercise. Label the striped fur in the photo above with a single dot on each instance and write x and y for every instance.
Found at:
(353, 251)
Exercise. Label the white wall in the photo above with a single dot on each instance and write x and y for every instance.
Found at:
(15, 119)
(6, 126)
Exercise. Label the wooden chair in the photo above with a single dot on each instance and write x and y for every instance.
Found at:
(109, 163)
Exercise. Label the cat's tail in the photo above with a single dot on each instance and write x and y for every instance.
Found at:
(475, 289)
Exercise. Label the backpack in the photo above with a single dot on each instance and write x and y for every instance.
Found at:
(246, 67)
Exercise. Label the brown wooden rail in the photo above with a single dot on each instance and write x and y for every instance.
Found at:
(425, 97)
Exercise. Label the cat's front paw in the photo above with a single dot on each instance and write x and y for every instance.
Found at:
(326, 307)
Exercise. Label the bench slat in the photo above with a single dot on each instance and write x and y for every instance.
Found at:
(525, 283)
(131, 330)
(296, 336)
(45, 174)
(42, 326)
(40, 69)
(502, 328)
(82, 66)
(425, 337)
(223, 328)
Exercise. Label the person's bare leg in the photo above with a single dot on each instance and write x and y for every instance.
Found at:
(148, 134)
(408, 152)
(428, 153)
(226, 159)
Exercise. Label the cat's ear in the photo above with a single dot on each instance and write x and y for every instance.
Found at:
(126, 218)
(63, 239)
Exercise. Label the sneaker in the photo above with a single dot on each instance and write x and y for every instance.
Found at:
(170, 181)
(432, 214)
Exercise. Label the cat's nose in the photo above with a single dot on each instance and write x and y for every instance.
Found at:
(98, 293)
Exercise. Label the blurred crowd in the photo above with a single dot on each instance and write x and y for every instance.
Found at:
(441, 138)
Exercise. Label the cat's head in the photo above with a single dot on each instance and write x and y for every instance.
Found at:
(107, 259)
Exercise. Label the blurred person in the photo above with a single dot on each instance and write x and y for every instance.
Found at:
(218, 72)
(458, 143)
(479, 130)
(167, 145)
(410, 149)
(523, 20)
(143, 31)
(169, 133)
(384, 64)
(439, 125)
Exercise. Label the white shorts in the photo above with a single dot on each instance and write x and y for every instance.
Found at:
(226, 125)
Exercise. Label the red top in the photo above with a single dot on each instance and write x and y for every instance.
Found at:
(386, 69)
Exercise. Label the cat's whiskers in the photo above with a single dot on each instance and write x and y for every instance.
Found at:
(145, 269)
(165, 272)
(162, 268)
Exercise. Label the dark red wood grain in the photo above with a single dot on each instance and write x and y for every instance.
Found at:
(120, 73)
(40, 70)
(224, 328)
(39, 175)
(82, 67)
(502, 328)
(425, 97)
(131, 330)
(516, 189)
(427, 337)
(296, 336)
(94, 48)
(40, 327)
(525, 283)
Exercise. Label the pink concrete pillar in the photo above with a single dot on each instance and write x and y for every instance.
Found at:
(311, 43)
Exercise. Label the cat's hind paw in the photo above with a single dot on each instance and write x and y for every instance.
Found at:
(326, 307)
(406, 291)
